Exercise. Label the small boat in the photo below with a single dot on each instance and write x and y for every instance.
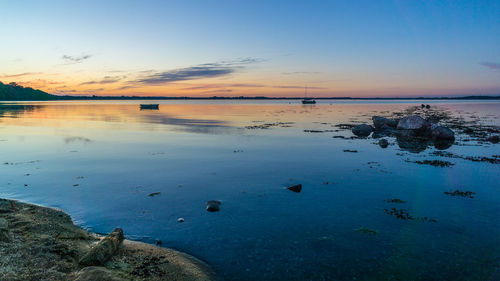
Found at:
(150, 106)
(307, 100)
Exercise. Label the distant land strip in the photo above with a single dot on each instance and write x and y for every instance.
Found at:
(15, 92)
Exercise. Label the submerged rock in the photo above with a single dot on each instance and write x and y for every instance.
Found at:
(383, 143)
(493, 139)
(413, 122)
(213, 205)
(442, 133)
(380, 122)
(295, 188)
(362, 130)
(104, 250)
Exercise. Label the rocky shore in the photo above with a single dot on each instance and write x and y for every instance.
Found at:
(38, 243)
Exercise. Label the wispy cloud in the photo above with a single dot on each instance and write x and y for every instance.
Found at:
(105, 80)
(301, 72)
(299, 87)
(207, 70)
(215, 86)
(75, 59)
(491, 65)
(20, 75)
(221, 91)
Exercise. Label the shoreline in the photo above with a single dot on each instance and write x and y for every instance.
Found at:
(41, 243)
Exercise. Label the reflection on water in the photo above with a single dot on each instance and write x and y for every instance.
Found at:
(100, 160)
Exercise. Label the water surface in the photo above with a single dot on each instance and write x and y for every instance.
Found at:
(100, 160)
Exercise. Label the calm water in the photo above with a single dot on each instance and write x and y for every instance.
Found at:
(99, 161)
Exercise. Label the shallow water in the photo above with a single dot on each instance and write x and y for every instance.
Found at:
(100, 160)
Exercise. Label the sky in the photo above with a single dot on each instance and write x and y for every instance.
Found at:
(200, 48)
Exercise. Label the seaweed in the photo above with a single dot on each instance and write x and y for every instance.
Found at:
(395, 200)
(366, 231)
(468, 194)
(435, 163)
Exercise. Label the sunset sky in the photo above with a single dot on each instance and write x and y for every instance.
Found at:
(252, 48)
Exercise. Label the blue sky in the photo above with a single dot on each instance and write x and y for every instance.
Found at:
(273, 48)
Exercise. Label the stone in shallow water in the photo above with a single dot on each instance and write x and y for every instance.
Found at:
(442, 133)
(362, 130)
(295, 188)
(381, 122)
(213, 205)
(413, 122)
(493, 139)
(383, 143)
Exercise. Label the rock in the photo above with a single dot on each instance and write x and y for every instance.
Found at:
(213, 205)
(295, 188)
(96, 273)
(362, 130)
(383, 143)
(4, 230)
(442, 133)
(406, 134)
(383, 123)
(493, 139)
(413, 122)
(427, 106)
(104, 250)
(422, 105)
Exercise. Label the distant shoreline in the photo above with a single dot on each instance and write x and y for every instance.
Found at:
(59, 98)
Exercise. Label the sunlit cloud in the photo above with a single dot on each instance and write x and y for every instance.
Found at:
(207, 70)
(491, 65)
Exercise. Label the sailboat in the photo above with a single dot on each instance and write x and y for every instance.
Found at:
(307, 100)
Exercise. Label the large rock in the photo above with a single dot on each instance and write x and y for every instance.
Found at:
(380, 122)
(441, 133)
(96, 273)
(362, 130)
(413, 122)
(104, 250)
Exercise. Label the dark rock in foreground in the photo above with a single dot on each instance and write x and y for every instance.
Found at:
(213, 205)
(362, 130)
(295, 188)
